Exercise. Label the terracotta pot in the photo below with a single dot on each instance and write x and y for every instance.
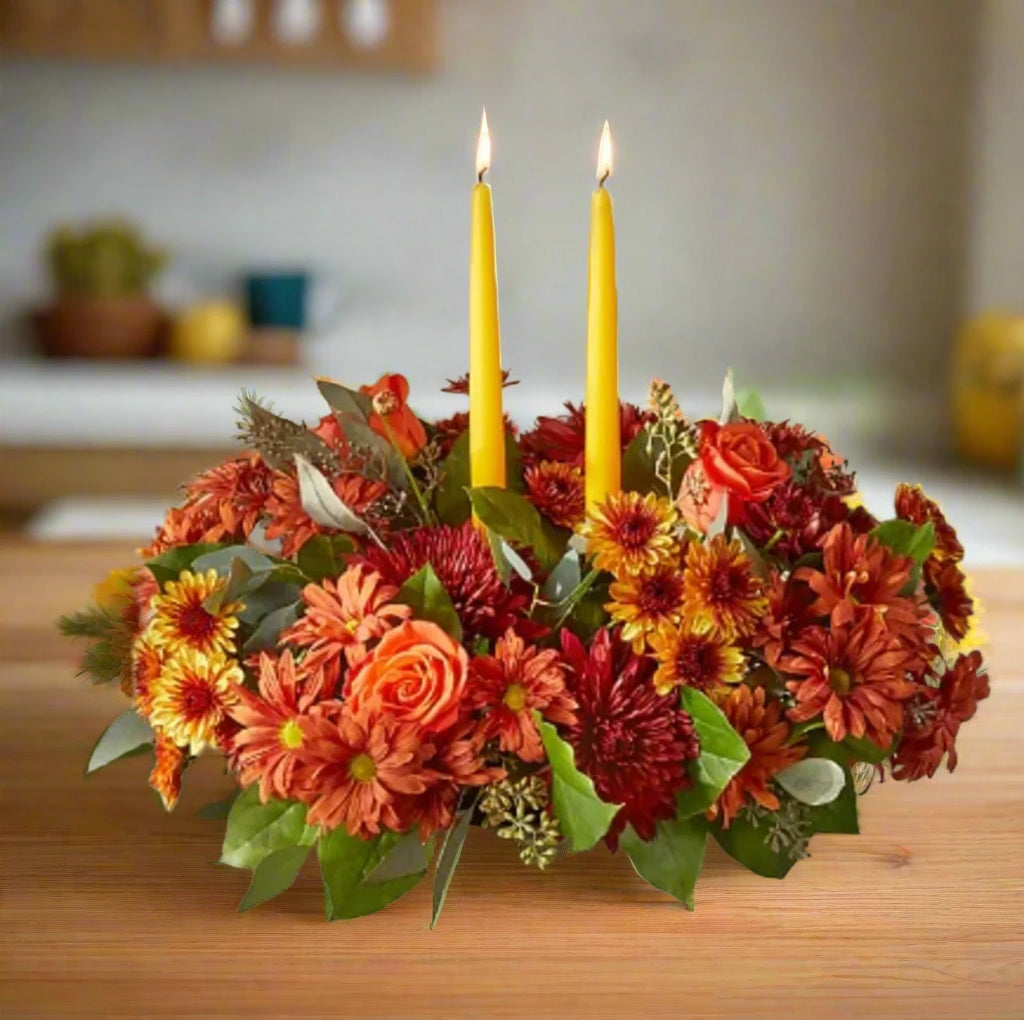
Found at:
(100, 327)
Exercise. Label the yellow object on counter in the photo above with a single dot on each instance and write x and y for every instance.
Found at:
(988, 391)
(603, 454)
(212, 332)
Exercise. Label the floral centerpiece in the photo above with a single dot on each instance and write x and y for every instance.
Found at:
(731, 646)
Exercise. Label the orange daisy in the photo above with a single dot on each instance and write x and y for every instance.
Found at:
(647, 604)
(632, 533)
(166, 775)
(723, 595)
(765, 731)
(688, 659)
(344, 615)
(180, 620)
(556, 490)
(192, 698)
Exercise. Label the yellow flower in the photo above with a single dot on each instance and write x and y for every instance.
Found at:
(723, 596)
(190, 699)
(647, 604)
(114, 592)
(688, 659)
(181, 620)
(631, 534)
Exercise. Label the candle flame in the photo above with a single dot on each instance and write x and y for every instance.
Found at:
(604, 155)
(483, 148)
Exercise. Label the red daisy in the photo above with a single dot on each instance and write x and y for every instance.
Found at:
(562, 438)
(511, 685)
(462, 560)
(633, 742)
(854, 677)
(936, 719)
(556, 490)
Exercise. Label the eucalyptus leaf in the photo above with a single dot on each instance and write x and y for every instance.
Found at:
(273, 875)
(673, 859)
(515, 561)
(346, 862)
(223, 558)
(729, 410)
(723, 752)
(267, 596)
(501, 563)
(517, 520)
(169, 565)
(267, 634)
(430, 601)
(841, 814)
(448, 859)
(564, 579)
(812, 781)
(255, 830)
(129, 734)
(582, 816)
(344, 401)
(323, 504)
(323, 556)
(239, 577)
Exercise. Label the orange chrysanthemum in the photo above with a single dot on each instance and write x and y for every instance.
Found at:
(358, 765)
(290, 523)
(180, 620)
(511, 685)
(343, 616)
(647, 605)
(556, 490)
(167, 769)
(186, 525)
(192, 698)
(267, 748)
(765, 731)
(632, 533)
(237, 490)
(688, 659)
(723, 595)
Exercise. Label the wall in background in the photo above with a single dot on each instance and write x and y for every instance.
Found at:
(790, 181)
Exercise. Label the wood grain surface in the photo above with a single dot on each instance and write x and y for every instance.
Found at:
(112, 908)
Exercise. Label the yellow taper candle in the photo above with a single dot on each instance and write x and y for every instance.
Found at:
(603, 447)
(486, 420)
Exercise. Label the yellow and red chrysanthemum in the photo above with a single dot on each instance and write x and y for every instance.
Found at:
(647, 605)
(688, 659)
(169, 764)
(343, 616)
(144, 666)
(513, 683)
(181, 621)
(191, 700)
(765, 731)
(631, 533)
(556, 490)
(723, 595)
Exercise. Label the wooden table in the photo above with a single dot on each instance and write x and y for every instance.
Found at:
(112, 908)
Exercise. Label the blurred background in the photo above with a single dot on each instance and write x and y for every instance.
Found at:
(201, 195)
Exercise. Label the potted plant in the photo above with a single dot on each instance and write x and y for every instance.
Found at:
(102, 309)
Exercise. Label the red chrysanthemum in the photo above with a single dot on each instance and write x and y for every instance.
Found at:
(562, 438)
(946, 589)
(854, 677)
(764, 729)
(512, 684)
(794, 520)
(789, 602)
(811, 456)
(556, 490)
(290, 523)
(936, 717)
(463, 563)
(914, 506)
(633, 742)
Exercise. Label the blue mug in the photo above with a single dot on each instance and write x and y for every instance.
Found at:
(289, 299)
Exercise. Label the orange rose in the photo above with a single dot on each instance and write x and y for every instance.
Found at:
(392, 418)
(740, 458)
(416, 673)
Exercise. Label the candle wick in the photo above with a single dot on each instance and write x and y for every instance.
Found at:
(480, 176)
(603, 178)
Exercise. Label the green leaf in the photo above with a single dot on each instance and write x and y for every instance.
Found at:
(222, 560)
(168, 565)
(265, 594)
(267, 635)
(862, 749)
(841, 814)
(343, 401)
(255, 830)
(750, 405)
(408, 856)
(273, 875)
(323, 556)
(451, 501)
(346, 863)
(448, 859)
(672, 860)
(429, 601)
(582, 816)
(516, 519)
(217, 809)
(128, 734)
(239, 577)
(748, 844)
(907, 539)
(812, 781)
(723, 752)
(638, 465)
